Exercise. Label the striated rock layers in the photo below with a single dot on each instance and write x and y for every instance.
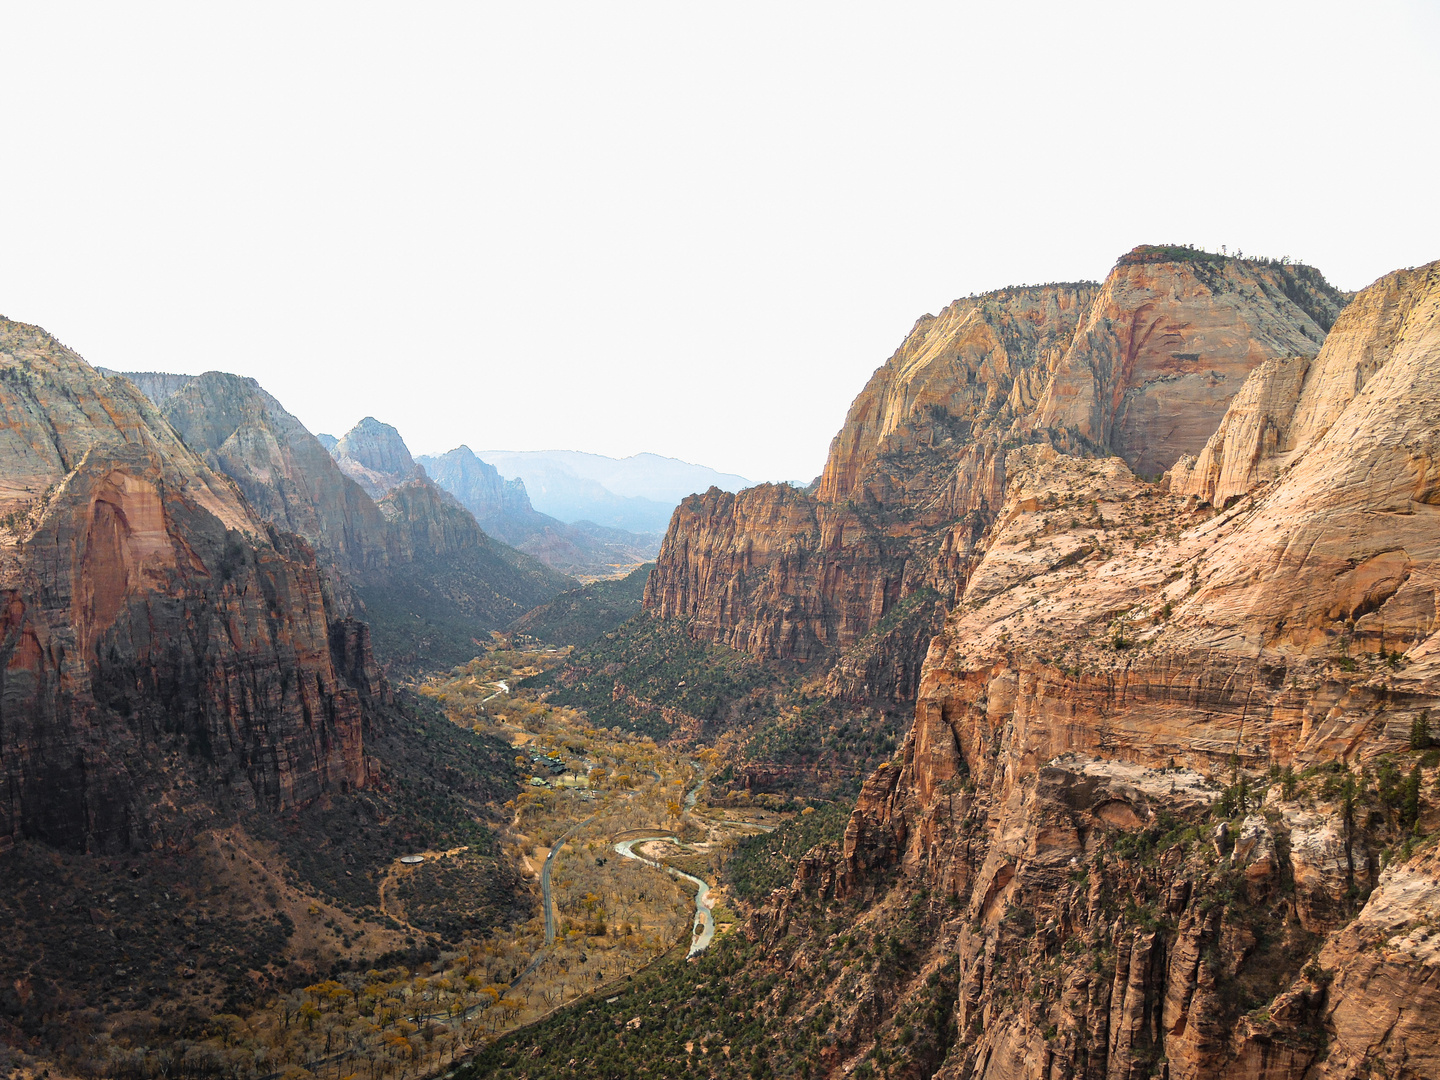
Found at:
(416, 551)
(164, 651)
(1160, 783)
(860, 571)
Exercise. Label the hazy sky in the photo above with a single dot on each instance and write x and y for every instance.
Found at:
(689, 228)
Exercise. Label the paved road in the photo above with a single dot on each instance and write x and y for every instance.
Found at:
(545, 881)
(545, 873)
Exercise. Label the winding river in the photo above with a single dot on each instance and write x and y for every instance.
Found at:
(704, 931)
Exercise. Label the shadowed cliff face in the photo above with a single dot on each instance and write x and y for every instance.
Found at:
(1156, 770)
(428, 578)
(163, 651)
(1143, 366)
(283, 471)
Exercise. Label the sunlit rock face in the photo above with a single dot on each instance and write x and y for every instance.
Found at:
(858, 574)
(375, 457)
(164, 651)
(1125, 663)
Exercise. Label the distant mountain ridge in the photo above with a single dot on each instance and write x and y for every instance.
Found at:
(503, 508)
(637, 493)
(375, 457)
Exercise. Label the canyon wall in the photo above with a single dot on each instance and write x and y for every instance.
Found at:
(1143, 366)
(419, 557)
(164, 652)
(1164, 782)
(283, 471)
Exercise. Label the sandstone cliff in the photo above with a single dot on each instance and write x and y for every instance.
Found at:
(435, 582)
(164, 651)
(1158, 769)
(1143, 366)
(1166, 345)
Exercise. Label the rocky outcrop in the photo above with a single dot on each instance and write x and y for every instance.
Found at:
(1159, 755)
(1286, 406)
(976, 369)
(772, 572)
(1143, 367)
(164, 651)
(1253, 439)
(375, 457)
(158, 386)
(1167, 344)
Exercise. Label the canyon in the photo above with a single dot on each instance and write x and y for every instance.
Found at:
(1124, 593)
(1155, 775)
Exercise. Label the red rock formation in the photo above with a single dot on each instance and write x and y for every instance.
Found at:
(1121, 661)
(1144, 365)
(418, 553)
(163, 650)
(1166, 345)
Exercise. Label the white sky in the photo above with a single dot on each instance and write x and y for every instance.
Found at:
(687, 228)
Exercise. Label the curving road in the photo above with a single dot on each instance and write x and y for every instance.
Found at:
(545, 879)
(549, 861)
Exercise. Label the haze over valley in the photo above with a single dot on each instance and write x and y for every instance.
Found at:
(1053, 693)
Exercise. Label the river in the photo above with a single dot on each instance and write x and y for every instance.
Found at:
(704, 918)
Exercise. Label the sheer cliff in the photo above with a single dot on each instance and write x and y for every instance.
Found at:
(164, 650)
(429, 579)
(1168, 805)
(857, 575)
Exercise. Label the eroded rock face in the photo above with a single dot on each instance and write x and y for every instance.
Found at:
(1143, 366)
(375, 457)
(1126, 666)
(417, 552)
(1166, 345)
(164, 652)
(979, 366)
(284, 472)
